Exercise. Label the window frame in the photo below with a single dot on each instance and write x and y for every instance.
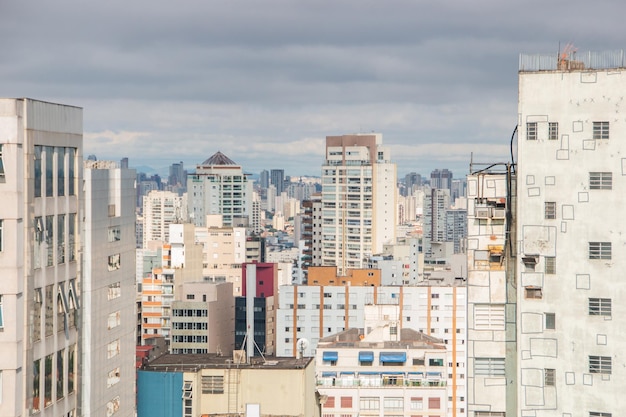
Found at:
(531, 130)
(553, 131)
(600, 364)
(549, 210)
(600, 307)
(600, 250)
(601, 130)
(600, 180)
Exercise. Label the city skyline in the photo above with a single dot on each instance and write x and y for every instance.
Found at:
(268, 82)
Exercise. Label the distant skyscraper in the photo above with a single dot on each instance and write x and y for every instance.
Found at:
(277, 178)
(441, 179)
(358, 198)
(264, 179)
(219, 186)
(411, 180)
(178, 175)
(124, 163)
(436, 203)
(41, 183)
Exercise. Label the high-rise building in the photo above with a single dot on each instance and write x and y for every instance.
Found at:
(264, 179)
(441, 178)
(41, 186)
(160, 209)
(565, 266)
(436, 203)
(177, 178)
(412, 180)
(219, 186)
(358, 199)
(108, 291)
(277, 179)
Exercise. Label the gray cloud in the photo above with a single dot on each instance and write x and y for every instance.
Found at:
(265, 81)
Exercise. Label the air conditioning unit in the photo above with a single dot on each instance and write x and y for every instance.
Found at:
(499, 213)
(482, 212)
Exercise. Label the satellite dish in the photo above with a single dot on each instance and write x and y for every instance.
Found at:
(301, 346)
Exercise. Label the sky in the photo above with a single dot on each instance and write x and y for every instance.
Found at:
(265, 82)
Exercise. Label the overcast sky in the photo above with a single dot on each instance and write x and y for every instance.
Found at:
(265, 81)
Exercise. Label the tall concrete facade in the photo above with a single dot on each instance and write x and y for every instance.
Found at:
(358, 199)
(108, 291)
(41, 185)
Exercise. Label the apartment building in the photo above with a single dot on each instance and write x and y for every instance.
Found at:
(386, 371)
(219, 186)
(108, 291)
(41, 184)
(313, 312)
(160, 209)
(571, 180)
(358, 199)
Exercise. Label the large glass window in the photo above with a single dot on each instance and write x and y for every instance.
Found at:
(60, 171)
(60, 373)
(71, 237)
(71, 189)
(50, 240)
(47, 386)
(36, 389)
(38, 171)
(49, 310)
(37, 306)
(49, 152)
(71, 368)
(61, 238)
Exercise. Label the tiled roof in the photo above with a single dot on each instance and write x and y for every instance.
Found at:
(219, 158)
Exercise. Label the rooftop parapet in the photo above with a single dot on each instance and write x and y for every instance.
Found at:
(572, 61)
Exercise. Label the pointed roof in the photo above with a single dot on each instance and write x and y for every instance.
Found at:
(219, 158)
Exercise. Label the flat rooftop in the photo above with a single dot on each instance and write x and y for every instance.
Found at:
(195, 362)
(409, 338)
(570, 60)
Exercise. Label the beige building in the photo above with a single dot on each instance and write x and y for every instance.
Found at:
(220, 386)
(41, 187)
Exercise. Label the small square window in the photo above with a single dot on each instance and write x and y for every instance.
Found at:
(531, 131)
(550, 210)
(600, 130)
(549, 377)
(553, 131)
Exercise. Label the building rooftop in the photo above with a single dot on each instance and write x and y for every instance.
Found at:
(219, 158)
(353, 338)
(569, 59)
(194, 362)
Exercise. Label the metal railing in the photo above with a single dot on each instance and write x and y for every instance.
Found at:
(572, 61)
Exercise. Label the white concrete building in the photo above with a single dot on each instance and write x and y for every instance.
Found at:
(358, 199)
(382, 372)
(572, 245)
(41, 185)
(313, 312)
(108, 291)
(160, 209)
(219, 186)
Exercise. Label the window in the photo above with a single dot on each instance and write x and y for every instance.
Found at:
(330, 402)
(600, 130)
(113, 320)
(394, 404)
(599, 250)
(417, 403)
(533, 293)
(346, 402)
(114, 377)
(434, 403)
(600, 180)
(600, 364)
(550, 265)
(191, 296)
(115, 234)
(114, 291)
(549, 377)
(38, 176)
(489, 317)
(435, 362)
(553, 131)
(549, 210)
(599, 414)
(47, 386)
(113, 349)
(60, 171)
(550, 320)
(531, 131)
(113, 406)
(489, 366)
(114, 262)
(600, 307)
(489, 414)
(369, 403)
(36, 389)
(1, 314)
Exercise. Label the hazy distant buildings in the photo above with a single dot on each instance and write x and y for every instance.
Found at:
(219, 186)
(277, 179)
(441, 178)
(358, 199)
